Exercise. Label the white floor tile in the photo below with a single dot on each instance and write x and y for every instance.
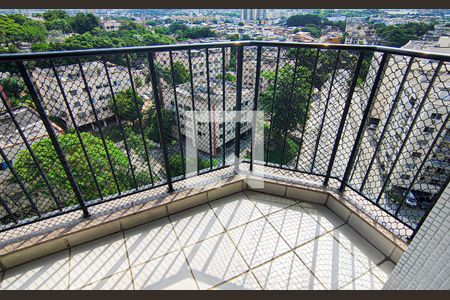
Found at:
(150, 241)
(243, 282)
(366, 282)
(258, 242)
(235, 210)
(214, 260)
(358, 246)
(295, 225)
(383, 271)
(96, 260)
(268, 204)
(119, 281)
(48, 273)
(169, 272)
(326, 218)
(196, 224)
(330, 262)
(286, 272)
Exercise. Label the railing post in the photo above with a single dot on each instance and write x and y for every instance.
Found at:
(41, 111)
(237, 141)
(344, 117)
(362, 127)
(255, 102)
(159, 116)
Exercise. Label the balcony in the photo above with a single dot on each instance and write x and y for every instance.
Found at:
(141, 194)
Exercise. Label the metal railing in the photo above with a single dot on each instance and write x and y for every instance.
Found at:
(84, 127)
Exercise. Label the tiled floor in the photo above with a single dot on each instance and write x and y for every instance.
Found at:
(247, 240)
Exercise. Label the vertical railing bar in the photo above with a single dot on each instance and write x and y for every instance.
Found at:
(133, 89)
(273, 103)
(419, 170)
(224, 148)
(319, 135)
(41, 111)
(122, 132)
(83, 76)
(162, 134)
(191, 75)
(30, 150)
(344, 116)
(72, 118)
(359, 135)
(209, 109)
(237, 141)
(177, 111)
(388, 120)
(434, 199)
(255, 101)
(8, 210)
(313, 77)
(413, 123)
(22, 186)
(290, 104)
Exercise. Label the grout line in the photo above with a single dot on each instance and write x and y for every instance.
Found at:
(184, 254)
(69, 265)
(128, 256)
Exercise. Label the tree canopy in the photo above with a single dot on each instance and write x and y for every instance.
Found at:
(72, 149)
(400, 34)
(128, 108)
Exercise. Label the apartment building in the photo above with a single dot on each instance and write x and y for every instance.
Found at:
(200, 125)
(76, 94)
(426, 129)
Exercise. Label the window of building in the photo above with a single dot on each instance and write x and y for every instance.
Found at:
(199, 133)
(405, 176)
(411, 166)
(73, 92)
(428, 130)
(3, 166)
(435, 116)
(77, 104)
(416, 154)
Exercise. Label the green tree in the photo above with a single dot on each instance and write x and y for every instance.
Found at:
(177, 168)
(241, 23)
(82, 22)
(303, 20)
(72, 149)
(128, 108)
(291, 98)
(152, 127)
(180, 73)
(55, 14)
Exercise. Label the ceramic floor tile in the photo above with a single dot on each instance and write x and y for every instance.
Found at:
(214, 261)
(268, 204)
(96, 260)
(286, 272)
(258, 242)
(119, 281)
(169, 272)
(367, 281)
(358, 246)
(326, 218)
(243, 282)
(235, 210)
(383, 271)
(331, 262)
(196, 224)
(295, 225)
(150, 241)
(48, 273)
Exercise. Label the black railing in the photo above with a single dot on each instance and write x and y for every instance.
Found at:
(84, 127)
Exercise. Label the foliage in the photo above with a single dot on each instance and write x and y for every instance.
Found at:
(177, 168)
(198, 32)
(400, 34)
(136, 142)
(180, 73)
(241, 23)
(303, 20)
(128, 108)
(16, 29)
(313, 29)
(74, 154)
(152, 127)
(228, 77)
(291, 98)
(82, 22)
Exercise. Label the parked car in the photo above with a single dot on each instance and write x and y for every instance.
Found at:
(411, 200)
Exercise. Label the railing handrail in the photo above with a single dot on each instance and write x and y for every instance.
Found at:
(13, 57)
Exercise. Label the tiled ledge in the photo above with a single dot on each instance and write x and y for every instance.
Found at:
(98, 226)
